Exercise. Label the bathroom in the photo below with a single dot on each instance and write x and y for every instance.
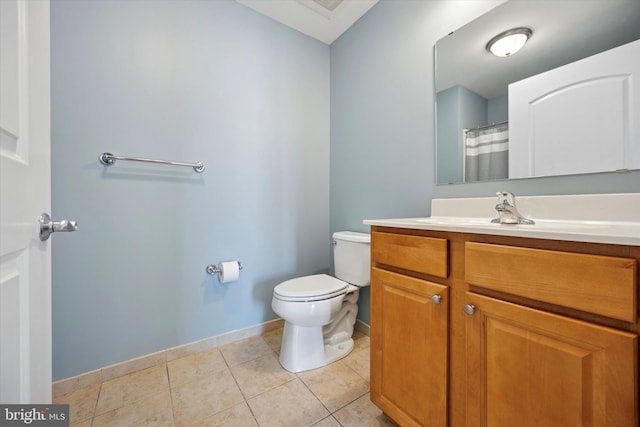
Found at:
(299, 138)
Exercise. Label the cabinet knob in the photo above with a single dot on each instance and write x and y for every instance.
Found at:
(437, 299)
(470, 309)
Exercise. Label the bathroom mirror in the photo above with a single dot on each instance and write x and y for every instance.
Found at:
(472, 84)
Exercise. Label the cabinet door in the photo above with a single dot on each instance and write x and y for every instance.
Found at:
(527, 367)
(409, 341)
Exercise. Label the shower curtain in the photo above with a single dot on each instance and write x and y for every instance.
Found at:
(486, 152)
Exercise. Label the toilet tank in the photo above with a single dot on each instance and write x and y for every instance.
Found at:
(351, 257)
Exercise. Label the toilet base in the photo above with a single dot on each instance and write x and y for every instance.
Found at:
(303, 348)
(337, 351)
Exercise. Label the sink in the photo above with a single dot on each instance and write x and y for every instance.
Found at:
(461, 221)
(540, 225)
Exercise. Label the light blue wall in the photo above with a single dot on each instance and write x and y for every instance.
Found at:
(214, 81)
(382, 121)
(498, 109)
(457, 108)
(208, 81)
(448, 130)
(473, 110)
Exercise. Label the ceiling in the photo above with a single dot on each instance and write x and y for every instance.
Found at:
(324, 20)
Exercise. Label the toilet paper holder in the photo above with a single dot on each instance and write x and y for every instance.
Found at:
(214, 269)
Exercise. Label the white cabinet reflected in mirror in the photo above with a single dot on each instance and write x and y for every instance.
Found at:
(489, 127)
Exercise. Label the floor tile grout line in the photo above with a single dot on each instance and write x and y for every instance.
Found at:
(242, 393)
(356, 372)
(297, 376)
(253, 414)
(173, 415)
(314, 395)
(139, 400)
(348, 403)
(245, 397)
(227, 368)
(332, 416)
(95, 405)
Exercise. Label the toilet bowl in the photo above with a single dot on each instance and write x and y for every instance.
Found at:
(319, 310)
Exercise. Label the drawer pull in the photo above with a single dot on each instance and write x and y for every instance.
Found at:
(470, 309)
(436, 299)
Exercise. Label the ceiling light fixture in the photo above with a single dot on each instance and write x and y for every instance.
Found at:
(509, 42)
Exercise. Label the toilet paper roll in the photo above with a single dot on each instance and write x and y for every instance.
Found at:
(229, 271)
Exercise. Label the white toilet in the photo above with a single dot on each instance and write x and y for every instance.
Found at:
(320, 310)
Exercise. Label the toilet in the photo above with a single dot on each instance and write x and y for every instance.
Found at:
(319, 311)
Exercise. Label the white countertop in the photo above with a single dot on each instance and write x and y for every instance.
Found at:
(603, 218)
(618, 233)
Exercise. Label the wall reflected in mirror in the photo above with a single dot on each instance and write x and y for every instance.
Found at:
(474, 138)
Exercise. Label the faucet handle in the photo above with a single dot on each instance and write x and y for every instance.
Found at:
(506, 198)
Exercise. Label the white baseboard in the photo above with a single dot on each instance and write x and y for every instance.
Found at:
(68, 385)
(362, 327)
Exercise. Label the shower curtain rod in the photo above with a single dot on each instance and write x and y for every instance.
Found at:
(486, 126)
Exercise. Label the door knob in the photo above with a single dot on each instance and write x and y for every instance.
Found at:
(437, 299)
(47, 226)
(470, 309)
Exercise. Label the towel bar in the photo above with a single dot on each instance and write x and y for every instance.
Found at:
(109, 159)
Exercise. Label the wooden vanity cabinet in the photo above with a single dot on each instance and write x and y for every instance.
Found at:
(409, 341)
(535, 332)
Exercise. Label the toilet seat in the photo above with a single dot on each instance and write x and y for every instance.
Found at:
(310, 288)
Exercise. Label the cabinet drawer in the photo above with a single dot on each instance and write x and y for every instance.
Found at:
(421, 254)
(597, 284)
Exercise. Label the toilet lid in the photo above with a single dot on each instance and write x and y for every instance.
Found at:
(310, 288)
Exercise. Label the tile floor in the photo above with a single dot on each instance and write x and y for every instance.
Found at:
(238, 384)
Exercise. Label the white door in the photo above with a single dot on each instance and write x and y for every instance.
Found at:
(25, 193)
(578, 118)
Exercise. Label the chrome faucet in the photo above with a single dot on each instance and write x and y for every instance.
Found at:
(507, 211)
